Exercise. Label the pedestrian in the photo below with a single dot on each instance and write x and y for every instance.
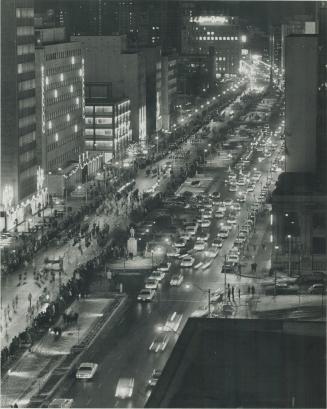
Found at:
(16, 299)
(255, 267)
(239, 293)
(263, 246)
(252, 267)
(253, 290)
(233, 289)
(249, 290)
(228, 294)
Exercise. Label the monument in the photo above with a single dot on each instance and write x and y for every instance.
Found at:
(132, 243)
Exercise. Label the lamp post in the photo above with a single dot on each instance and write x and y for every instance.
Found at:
(204, 155)
(289, 237)
(157, 139)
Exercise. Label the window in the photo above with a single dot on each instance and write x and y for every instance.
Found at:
(25, 67)
(26, 139)
(26, 103)
(25, 31)
(26, 85)
(103, 121)
(24, 12)
(319, 245)
(103, 109)
(25, 49)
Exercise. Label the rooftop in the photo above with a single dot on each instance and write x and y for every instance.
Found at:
(301, 184)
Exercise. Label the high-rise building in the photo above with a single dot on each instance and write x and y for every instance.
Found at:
(18, 116)
(169, 88)
(60, 99)
(301, 102)
(107, 122)
(107, 61)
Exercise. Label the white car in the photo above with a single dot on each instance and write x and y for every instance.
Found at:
(125, 387)
(151, 284)
(236, 207)
(232, 188)
(165, 267)
(222, 207)
(159, 343)
(212, 252)
(250, 188)
(173, 253)
(232, 258)
(61, 403)
(146, 295)
(86, 370)
(217, 243)
(173, 322)
(205, 223)
(155, 377)
(228, 202)
(180, 243)
(231, 221)
(219, 215)
(187, 261)
(200, 245)
(223, 233)
(176, 280)
(202, 237)
(157, 275)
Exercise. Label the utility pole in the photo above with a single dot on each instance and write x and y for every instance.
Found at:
(209, 302)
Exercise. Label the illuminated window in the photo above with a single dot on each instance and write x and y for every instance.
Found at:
(80, 72)
(77, 101)
(200, 38)
(46, 80)
(68, 117)
(73, 60)
(56, 137)
(228, 38)
(220, 38)
(75, 128)
(236, 38)
(243, 39)
(49, 125)
(224, 38)
(71, 88)
(61, 77)
(216, 38)
(55, 93)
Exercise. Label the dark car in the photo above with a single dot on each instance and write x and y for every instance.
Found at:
(228, 268)
(311, 279)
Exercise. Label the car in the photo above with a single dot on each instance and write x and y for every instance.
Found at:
(200, 245)
(173, 253)
(165, 267)
(86, 370)
(202, 237)
(216, 195)
(219, 214)
(125, 387)
(212, 252)
(241, 198)
(151, 283)
(187, 261)
(223, 233)
(250, 189)
(228, 268)
(231, 220)
(205, 223)
(228, 202)
(157, 275)
(61, 403)
(146, 294)
(173, 322)
(217, 243)
(239, 242)
(236, 207)
(155, 377)
(180, 243)
(207, 215)
(232, 188)
(159, 343)
(232, 258)
(222, 207)
(176, 280)
(317, 289)
(241, 182)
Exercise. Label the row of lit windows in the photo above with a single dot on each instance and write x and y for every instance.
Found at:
(60, 125)
(64, 157)
(217, 38)
(99, 109)
(60, 112)
(25, 49)
(27, 156)
(63, 141)
(99, 121)
(63, 82)
(98, 132)
(26, 103)
(24, 12)
(63, 54)
(26, 85)
(25, 67)
(60, 69)
(60, 98)
(26, 121)
(25, 30)
(26, 139)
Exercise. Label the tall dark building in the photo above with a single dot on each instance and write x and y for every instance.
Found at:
(18, 121)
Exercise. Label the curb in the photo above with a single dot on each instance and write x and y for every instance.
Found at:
(65, 368)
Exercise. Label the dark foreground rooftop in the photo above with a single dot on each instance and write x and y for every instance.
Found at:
(245, 363)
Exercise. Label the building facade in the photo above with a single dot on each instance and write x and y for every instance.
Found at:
(107, 122)
(301, 102)
(216, 35)
(107, 61)
(60, 99)
(18, 103)
(169, 89)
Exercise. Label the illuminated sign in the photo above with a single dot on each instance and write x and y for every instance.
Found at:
(243, 39)
(7, 196)
(210, 20)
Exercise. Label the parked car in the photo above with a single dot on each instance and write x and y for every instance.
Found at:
(157, 275)
(155, 377)
(187, 261)
(151, 283)
(176, 280)
(317, 289)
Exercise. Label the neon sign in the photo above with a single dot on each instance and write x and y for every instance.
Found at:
(209, 20)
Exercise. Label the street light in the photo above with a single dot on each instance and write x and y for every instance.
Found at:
(157, 139)
(289, 253)
(208, 291)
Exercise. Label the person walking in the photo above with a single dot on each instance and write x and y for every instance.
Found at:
(233, 296)
(253, 290)
(249, 290)
(239, 293)
(228, 293)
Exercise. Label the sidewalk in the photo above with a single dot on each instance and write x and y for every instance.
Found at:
(34, 368)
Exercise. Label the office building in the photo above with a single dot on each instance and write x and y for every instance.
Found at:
(301, 102)
(18, 114)
(169, 89)
(60, 99)
(107, 122)
(108, 61)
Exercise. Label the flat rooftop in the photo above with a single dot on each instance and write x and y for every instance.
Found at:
(233, 363)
